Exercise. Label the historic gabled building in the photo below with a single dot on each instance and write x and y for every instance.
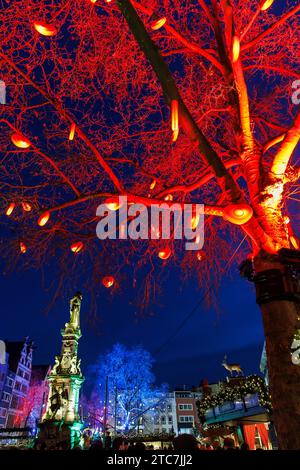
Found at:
(15, 377)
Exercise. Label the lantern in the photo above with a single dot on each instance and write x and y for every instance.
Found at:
(23, 247)
(10, 208)
(265, 4)
(195, 221)
(112, 203)
(294, 242)
(153, 184)
(72, 131)
(235, 48)
(157, 24)
(169, 197)
(26, 206)
(174, 119)
(20, 141)
(108, 281)
(201, 255)
(43, 219)
(165, 253)
(238, 214)
(45, 29)
(76, 247)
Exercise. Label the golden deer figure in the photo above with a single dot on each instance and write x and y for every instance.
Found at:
(232, 367)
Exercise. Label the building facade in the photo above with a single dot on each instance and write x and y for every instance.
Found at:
(186, 411)
(15, 377)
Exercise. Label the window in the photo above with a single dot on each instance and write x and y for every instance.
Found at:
(14, 402)
(3, 412)
(169, 407)
(26, 375)
(186, 406)
(17, 386)
(5, 396)
(186, 419)
(9, 382)
(164, 430)
(24, 388)
(170, 419)
(163, 420)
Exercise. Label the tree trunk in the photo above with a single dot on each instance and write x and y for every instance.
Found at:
(277, 282)
(280, 320)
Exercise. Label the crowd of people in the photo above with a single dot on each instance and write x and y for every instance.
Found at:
(183, 442)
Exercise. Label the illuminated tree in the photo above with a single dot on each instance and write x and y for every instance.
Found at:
(130, 392)
(30, 409)
(89, 90)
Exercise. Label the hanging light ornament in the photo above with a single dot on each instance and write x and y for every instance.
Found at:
(157, 24)
(195, 221)
(168, 197)
(153, 184)
(20, 141)
(108, 281)
(10, 208)
(76, 247)
(174, 119)
(265, 4)
(43, 219)
(235, 48)
(45, 29)
(113, 203)
(72, 131)
(23, 247)
(201, 255)
(294, 242)
(165, 253)
(26, 206)
(237, 214)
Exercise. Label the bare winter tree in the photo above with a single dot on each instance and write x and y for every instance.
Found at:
(89, 89)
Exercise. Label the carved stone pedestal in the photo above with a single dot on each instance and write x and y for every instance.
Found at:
(61, 422)
(59, 436)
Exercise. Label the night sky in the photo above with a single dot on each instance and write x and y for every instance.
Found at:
(196, 352)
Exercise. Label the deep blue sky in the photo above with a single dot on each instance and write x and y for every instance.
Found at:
(195, 353)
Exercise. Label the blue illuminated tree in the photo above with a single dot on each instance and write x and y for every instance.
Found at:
(131, 391)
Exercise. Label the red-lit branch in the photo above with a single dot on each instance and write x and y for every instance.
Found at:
(47, 159)
(68, 118)
(269, 31)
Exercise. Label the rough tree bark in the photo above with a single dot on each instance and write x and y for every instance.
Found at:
(277, 282)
